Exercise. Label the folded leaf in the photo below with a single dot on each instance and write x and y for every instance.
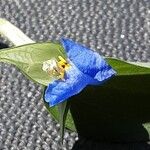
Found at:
(29, 59)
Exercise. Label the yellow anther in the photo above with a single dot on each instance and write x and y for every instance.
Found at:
(63, 64)
(56, 68)
(61, 76)
(62, 59)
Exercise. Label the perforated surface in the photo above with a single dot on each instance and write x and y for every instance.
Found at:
(119, 28)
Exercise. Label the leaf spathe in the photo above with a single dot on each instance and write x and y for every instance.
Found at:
(29, 59)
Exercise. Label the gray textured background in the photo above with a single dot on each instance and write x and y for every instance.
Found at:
(119, 28)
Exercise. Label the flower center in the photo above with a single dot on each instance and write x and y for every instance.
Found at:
(56, 68)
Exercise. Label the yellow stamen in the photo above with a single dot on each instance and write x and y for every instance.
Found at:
(62, 74)
(56, 68)
(62, 59)
(63, 64)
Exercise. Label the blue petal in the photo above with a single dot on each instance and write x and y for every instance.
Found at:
(87, 61)
(60, 90)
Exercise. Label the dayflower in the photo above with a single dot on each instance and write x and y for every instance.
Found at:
(83, 67)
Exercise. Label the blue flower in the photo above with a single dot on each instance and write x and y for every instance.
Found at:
(87, 67)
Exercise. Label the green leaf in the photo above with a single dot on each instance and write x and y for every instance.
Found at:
(129, 68)
(63, 111)
(29, 59)
(60, 113)
(69, 123)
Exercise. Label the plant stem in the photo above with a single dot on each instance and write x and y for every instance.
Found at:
(13, 34)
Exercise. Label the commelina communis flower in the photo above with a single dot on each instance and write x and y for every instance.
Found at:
(83, 67)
